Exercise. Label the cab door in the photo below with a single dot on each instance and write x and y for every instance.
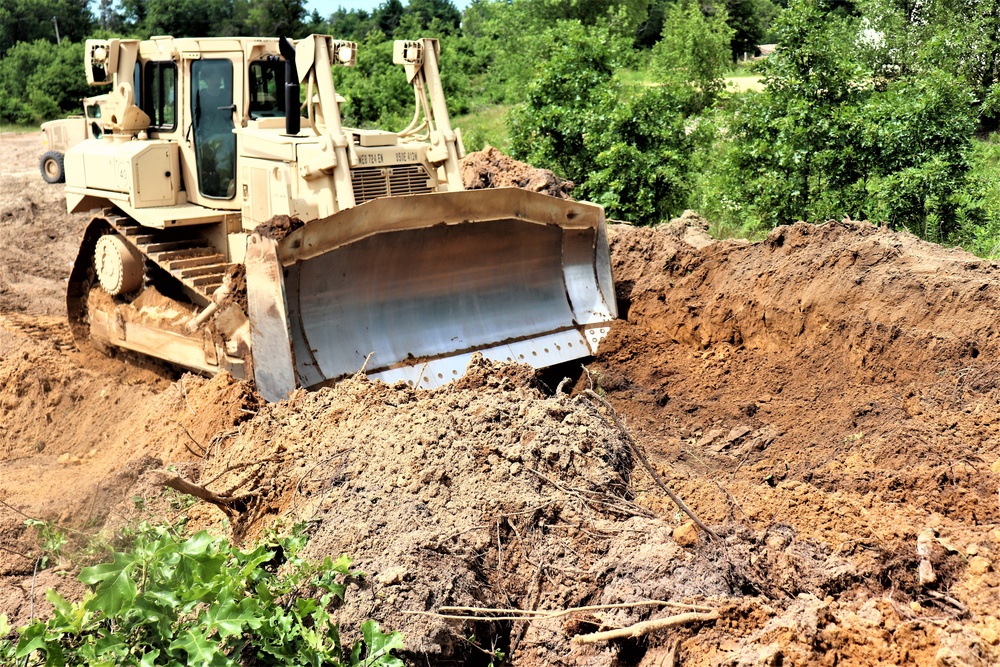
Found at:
(213, 96)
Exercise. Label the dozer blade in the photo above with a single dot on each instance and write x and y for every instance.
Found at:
(408, 288)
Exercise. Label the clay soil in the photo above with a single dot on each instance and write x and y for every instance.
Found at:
(825, 401)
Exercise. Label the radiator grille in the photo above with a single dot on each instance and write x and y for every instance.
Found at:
(373, 182)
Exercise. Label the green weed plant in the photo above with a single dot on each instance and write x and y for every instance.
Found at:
(198, 601)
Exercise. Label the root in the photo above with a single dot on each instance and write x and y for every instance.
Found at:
(634, 446)
(231, 505)
(646, 627)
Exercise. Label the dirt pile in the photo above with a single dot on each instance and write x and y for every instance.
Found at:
(825, 399)
(489, 168)
(485, 493)
(838, 379)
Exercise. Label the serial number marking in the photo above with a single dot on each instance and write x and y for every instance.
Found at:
(398, 157)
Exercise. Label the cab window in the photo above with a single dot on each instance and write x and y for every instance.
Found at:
(160, 95)
(267, 89)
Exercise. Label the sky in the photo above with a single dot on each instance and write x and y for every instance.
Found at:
(327, 7)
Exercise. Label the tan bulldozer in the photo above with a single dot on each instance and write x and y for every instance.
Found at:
(240, 227)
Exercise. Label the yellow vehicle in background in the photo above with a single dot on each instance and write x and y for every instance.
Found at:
(60, 135)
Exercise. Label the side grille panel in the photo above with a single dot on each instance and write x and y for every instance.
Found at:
(373, 182)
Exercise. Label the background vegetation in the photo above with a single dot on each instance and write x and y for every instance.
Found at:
(873, 109)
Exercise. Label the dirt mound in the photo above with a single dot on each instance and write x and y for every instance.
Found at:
(837, 378)
(489, 168)
(486, 494)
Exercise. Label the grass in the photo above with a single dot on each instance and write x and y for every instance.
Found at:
(18, 129)
(743, 81)
(484, 125)
(640, 77)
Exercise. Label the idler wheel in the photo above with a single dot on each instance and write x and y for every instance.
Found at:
(118, 265)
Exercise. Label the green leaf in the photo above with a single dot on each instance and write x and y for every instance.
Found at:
(156, 616)
(163, 597)
(148, 658)
(114, 644)
(115, 589)
(199, 544)
(59, 602)
(379, 644)
(228, 618)
(32, 639)
(200, 651)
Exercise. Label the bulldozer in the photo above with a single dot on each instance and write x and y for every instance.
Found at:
(239, 226)
(60, 135)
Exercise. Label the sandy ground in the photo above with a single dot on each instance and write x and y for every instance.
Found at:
(825, 400)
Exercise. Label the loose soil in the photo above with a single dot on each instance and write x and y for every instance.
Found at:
(822, 399)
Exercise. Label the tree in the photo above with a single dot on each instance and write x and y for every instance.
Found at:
(961, 37)
(109, 19)
(40, 80)
(826, 138)
(643, 144)
(282, 18)
(387, 17)
(548, 129)
(30, 20)
(353, 25)
(376, 91)
(443, 11)
(750, 21)
(181, 18)
(694, 50)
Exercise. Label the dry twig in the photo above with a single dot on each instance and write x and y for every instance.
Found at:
(645, 627)
(238, 466)
(191, 437)
(474, 613)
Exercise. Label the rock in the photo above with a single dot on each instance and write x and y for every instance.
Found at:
(686, 534)
(710, 437)
(979, 565)
(737, 433)
(926, 573)
(925, 545)
(391, 576)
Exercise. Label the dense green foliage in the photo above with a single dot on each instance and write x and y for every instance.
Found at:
(197, 601)
(30, 20)
(870, 108)
(827, 138)
(39, 80)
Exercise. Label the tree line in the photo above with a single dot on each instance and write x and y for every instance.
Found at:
(877, 109)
